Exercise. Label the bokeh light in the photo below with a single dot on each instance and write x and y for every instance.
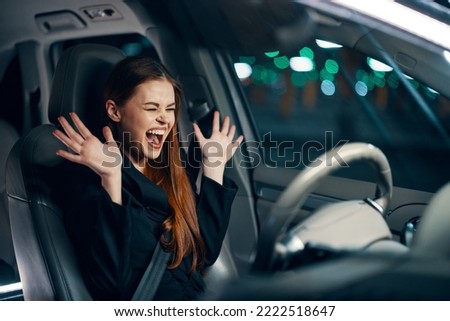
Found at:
(301, 64)
(328, 88)
(243, 70)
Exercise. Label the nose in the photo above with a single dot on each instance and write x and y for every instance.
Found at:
(162, 117)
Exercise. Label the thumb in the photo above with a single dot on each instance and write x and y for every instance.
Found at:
(107, 134)
(198, 133)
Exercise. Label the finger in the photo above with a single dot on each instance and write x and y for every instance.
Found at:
(226, 125)
(239, 140)
(231, 132)
(75, 147)
(216, 122)
(236, 144)
(108, 135)
(69, 156)
(82, 129)
(70, 131)
(198, 133)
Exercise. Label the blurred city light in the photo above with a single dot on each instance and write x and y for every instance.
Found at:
(307, 52)
(243, 70)
(327, 44)
(328, 88)
(301, 64)
(378, 65)
(272, 54)
(281, 62)
(361, 88)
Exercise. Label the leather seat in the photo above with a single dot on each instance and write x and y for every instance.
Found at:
(46, 261)
(8, 268)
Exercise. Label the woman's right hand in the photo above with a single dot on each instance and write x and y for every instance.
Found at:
(103, 159)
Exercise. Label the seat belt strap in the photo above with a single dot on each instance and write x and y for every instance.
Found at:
(152, 276)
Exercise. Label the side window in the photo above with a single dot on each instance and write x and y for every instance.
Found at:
(329, 95)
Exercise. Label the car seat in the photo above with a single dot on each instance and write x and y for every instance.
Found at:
(46, 261)
(8, 269)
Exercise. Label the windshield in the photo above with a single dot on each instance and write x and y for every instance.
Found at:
(328, 95)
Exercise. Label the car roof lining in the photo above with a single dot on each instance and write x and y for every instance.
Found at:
(21, 30)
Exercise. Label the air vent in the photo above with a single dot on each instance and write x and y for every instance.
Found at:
(101, 13)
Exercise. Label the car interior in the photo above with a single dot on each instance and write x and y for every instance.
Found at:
(365, 220)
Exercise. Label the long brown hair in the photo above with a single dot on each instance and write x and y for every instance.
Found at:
(182, 232)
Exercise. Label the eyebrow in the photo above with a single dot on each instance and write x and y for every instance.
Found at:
(157, 105)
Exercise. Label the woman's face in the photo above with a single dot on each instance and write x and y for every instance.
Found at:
(146, 120)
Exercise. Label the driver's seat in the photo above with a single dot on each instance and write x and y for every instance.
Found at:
(46, 261)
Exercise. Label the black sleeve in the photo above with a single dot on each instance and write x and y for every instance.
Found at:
(213, 210)
(101, 232)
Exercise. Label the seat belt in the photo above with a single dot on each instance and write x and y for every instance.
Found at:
(201, 113)
(152, 276)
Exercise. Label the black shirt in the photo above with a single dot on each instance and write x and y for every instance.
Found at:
(114, 243)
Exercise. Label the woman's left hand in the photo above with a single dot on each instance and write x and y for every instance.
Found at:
(219, 148)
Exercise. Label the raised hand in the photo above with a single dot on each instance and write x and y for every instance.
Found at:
(218, 149)
(103, 159)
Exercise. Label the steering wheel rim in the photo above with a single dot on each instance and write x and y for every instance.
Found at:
(293, 197)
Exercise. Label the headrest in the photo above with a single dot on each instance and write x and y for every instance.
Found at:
(78, 82)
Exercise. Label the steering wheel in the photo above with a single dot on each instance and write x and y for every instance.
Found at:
(283, 212)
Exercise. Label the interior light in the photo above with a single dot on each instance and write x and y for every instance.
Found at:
(243, 70)
(398, 15)
(301, 64)
(378, 65)
(327, 44)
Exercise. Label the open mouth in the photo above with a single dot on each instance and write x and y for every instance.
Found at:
(155, 137)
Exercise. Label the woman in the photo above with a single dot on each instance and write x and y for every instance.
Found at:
(124, 196)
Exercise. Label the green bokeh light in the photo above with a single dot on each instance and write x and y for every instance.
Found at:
(247, 59)
(332, 66)
(307, 52)
(272, 54)
(298, 79)
(262, 75)
(281, 62)
(379, 82)
(393, 81)
(378, 74)
(326, 75)
(312, 75)
(430, 93)
(414, 83)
